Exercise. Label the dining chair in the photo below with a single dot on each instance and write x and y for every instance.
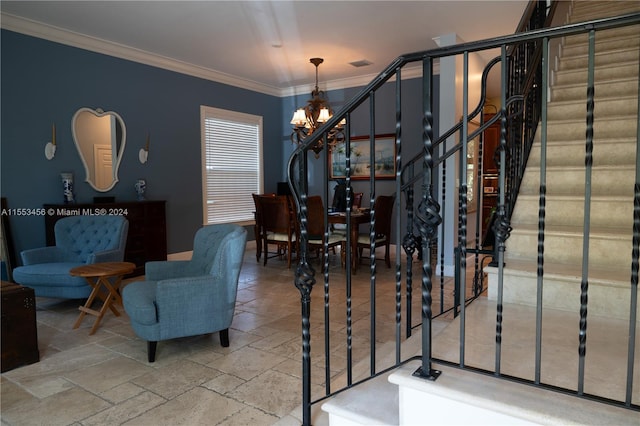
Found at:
(357, 200)
(257, 229)
(356, 204)
(316, 226)
(382, 211)
(278, 226)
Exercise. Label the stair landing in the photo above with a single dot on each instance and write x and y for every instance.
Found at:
(605, 373)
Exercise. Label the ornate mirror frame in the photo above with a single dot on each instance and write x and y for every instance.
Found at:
(100, 138)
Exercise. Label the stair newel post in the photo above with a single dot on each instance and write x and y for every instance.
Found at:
(429, 219)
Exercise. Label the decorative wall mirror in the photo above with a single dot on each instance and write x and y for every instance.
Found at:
(100, 139)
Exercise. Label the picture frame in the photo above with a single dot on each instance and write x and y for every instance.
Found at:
(385, 164)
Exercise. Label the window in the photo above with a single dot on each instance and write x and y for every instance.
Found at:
(231, 164)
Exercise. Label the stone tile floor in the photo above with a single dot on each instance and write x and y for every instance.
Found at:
(105, 379)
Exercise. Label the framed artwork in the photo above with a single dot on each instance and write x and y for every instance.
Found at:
(385, 155)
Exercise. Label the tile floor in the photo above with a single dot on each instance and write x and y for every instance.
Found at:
(105, 379)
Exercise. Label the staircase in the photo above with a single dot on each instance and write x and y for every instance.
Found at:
(612, 185)
(465, 397)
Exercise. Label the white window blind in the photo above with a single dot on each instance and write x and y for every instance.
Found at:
(231, 164)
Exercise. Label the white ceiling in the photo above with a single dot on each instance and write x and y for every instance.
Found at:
(263, 45)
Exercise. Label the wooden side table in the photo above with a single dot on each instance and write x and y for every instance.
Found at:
(99, 275)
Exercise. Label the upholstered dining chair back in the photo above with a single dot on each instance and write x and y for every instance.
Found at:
(278, 225)
(357, 200)
(257, 229)
(382, 211)
(316, 225)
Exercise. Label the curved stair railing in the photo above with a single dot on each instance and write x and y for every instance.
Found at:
(422, 182)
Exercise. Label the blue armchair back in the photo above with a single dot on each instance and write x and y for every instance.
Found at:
(188, 298)
(80, 240)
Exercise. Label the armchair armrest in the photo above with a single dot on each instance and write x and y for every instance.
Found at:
(164, 270)
(49, 254)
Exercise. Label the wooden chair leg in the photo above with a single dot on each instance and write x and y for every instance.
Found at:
(224, 338)
(266, 251)
(151, 351)
(386, 256)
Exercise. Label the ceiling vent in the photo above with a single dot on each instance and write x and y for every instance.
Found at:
(360, 63)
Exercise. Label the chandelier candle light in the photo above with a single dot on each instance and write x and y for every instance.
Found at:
(308, 119)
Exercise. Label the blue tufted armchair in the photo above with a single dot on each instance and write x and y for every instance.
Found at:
(80, 240)
(190, 297)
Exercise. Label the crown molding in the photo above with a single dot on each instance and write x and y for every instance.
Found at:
(82, 41)
(94, 44)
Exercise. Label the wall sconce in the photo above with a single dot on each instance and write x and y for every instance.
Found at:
(50, 147)
(144, 152)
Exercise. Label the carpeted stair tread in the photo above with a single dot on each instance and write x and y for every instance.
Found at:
(608, 276)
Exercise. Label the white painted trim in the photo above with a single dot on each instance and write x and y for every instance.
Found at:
(81, 41)
(94, 44)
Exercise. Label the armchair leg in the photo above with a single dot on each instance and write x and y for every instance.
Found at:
(151, 351)
(224, 337)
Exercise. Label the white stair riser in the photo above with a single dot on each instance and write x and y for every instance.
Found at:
(605, 251)
(616, 213)
(604, 299)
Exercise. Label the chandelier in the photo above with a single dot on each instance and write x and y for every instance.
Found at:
(308, 119)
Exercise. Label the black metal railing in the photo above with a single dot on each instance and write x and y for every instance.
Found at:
(425, 228)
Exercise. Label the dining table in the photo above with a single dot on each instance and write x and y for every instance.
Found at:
(356, 218)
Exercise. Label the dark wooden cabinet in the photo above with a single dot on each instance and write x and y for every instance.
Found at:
(19, 331)
(147, 236)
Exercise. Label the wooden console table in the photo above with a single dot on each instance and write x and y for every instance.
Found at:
(147, 236)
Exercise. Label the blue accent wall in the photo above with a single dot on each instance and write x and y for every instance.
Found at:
(45, 83)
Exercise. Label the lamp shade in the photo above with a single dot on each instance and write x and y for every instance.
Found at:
(324, 115)
(299, 118)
